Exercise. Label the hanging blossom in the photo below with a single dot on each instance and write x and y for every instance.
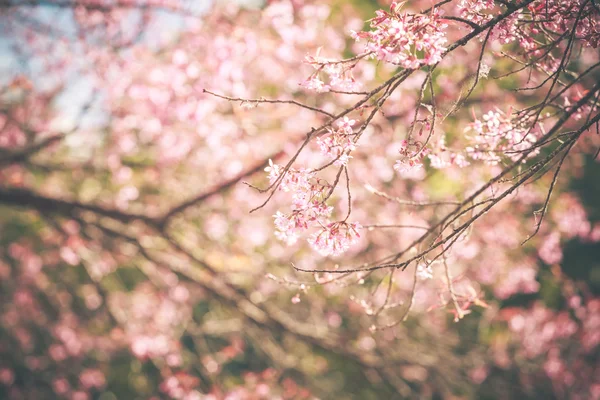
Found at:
(335, 238)
(338, 143)
(309, 209)
(339, 74)
(411, 156)
(308, 206)
(408, 40)
(290, 225)
(496, 135)
(294, 179)
(316, 84)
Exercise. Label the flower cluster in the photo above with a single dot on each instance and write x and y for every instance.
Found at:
(339, 73)
(292, 180)
(407, 40)
(308, 206)
(411, 156)
(338, 143)
(289, 225)
(544, 333)
(474, 10)
(335, 238)
(309, 209)
(424, 272)
(497, 136)
(549, 18)
(508, 30)
(316, 84)
(561, 16)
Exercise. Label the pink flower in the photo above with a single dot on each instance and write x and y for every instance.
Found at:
(346, 125)
(314, 83)
(412, 155)
(404, 39)
(274, 170)
(338, 144)
(424, 272)
(335, 238)
(498, 135)
(477, 11)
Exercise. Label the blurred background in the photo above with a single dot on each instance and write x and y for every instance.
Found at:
(130, 267)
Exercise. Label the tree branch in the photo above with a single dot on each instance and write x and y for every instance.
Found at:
(26, 198)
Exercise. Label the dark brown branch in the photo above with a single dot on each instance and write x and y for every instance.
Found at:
(24, 154)
(269, 101)
(550, 190)
(26, 198)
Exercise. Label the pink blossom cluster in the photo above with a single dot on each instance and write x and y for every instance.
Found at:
(92, 378)
(404, 39)
(539, 327)
(155, 346)
(10, 135)
(496, 136)
(424, 272)
(570, 221)
(560, 16)
(508, 30)
(476, 11)
(339, 75)
(309, 208)
(338, 143)
(293, 179)
(571, 218)
(28, 114)
(335, 238)
(412, 154)
(543, 334)
(290, 225)
(316, 84)
(551, 18)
